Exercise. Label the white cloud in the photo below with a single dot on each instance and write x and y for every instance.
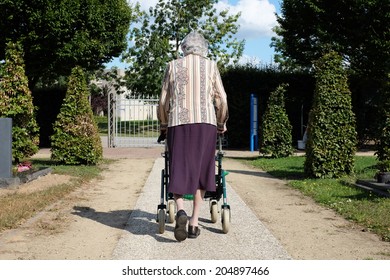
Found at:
(257, 17)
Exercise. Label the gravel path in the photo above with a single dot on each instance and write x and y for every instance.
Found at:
(247, 238)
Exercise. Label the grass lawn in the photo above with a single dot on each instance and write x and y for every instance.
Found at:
(142, 128)
(363, 207)
(102, 123)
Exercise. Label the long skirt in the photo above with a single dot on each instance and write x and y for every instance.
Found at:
(191, 158)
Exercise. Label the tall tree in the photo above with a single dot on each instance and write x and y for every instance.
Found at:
(58, 35)
(16, 103)
(357, 29)
(159, 34)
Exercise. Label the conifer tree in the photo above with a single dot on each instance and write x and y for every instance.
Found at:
(332, 135)
(16, 102)
(76, 139)
(275, 135)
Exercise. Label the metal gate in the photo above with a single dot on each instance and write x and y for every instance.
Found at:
(132, 121)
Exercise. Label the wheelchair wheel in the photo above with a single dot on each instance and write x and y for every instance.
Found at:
(171, 211)
(225, 220)
(161, 220)
(214, 211)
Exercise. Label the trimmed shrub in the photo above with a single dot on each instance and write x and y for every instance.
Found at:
(16, 102)
(275, 132)
(383, 145)
(76, 139)
(332, 135)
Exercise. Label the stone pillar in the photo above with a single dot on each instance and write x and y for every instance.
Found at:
(5, 148)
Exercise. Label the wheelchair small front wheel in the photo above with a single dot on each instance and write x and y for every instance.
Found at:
(225, 220)
(214, 211)
(171, 211)
(161, 220)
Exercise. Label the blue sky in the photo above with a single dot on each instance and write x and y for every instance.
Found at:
(256, 23)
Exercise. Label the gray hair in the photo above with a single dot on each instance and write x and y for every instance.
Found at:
(195, 43)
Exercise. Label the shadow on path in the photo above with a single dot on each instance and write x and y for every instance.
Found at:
(137, 222)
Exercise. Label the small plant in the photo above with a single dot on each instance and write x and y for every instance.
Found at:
(276, 137)
(76, 139)
(332, 138)
(16, 102)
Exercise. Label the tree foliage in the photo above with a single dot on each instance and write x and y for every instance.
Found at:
(58, 35)
(276, 137)
(357, 29)
(76, 139)
(159, 32)
(16, 103)
(103, 83)
(331, 141)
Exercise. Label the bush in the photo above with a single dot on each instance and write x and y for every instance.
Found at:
(275, 136)
(16, 103)
(76, 139)
(332, 136)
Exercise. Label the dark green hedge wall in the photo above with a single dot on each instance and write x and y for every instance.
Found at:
(49, 103)
(240, 82)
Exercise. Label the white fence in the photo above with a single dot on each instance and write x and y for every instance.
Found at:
(132, 121)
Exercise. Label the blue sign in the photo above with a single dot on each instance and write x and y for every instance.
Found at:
(254, 124)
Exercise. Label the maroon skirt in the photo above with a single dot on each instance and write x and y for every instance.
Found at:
(191, 158)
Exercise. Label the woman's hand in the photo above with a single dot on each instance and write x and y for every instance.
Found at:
(163, 135)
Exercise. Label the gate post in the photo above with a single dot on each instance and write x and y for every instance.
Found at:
(111, 118)
(5, 148)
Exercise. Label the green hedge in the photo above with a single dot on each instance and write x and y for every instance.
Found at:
(241, 81)
(383, 146)
(48, 102)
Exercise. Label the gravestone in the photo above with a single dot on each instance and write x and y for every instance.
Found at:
(5, 148)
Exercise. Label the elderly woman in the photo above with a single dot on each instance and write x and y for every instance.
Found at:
(192, 110)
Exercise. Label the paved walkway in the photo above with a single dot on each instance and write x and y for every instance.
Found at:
(247, 238)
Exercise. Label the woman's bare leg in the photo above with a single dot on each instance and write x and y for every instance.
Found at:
(198, 199)
(179, 202)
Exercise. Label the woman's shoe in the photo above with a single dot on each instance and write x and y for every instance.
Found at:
(180, 231)
(193, 231)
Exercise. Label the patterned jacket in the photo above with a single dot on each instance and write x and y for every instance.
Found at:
(192, 92)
